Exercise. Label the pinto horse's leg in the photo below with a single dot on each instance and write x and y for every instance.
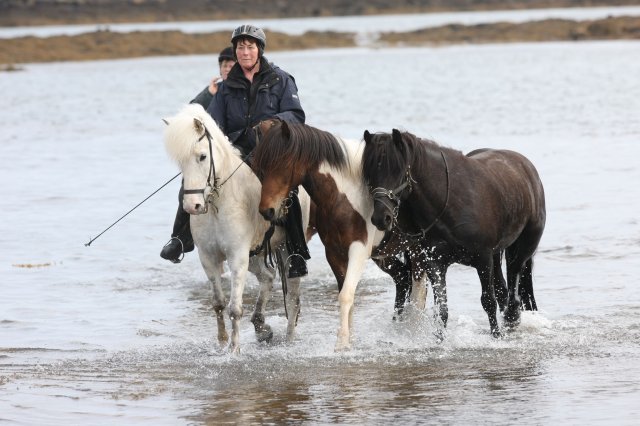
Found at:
(357, 257)
(488, 297)
(265, 278)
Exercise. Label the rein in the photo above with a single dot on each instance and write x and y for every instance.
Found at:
(393, 197)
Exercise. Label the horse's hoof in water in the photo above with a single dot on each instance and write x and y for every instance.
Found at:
(512, 317)
(223, 340)
(439, 335)
(265, 334)
(399, 316)
(342, 347)
(496, 333)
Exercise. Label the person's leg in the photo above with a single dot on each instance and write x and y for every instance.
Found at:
(296, 241)
(181, 240)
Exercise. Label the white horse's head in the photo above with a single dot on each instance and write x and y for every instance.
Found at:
(198, 146)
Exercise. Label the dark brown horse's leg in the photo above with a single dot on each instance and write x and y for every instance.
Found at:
(528, 301)
(488, 297)
(437, 274)
(400, 272)
(499, 283)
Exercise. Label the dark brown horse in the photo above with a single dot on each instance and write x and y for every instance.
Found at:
(464, 209)
(289, 155)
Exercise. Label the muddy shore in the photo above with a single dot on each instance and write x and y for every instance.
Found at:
(112, 45)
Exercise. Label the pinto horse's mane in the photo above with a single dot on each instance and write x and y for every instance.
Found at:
(182, 133)
(286, 144)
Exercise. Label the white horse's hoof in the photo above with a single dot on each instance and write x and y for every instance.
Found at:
(342, 347)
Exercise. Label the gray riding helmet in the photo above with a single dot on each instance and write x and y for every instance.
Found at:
(252, 32)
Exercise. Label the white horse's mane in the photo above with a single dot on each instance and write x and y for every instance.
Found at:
(182, 134)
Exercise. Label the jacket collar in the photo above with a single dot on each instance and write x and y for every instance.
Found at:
(237, 79)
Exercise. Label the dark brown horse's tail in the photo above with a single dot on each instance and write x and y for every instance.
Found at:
(527, 299)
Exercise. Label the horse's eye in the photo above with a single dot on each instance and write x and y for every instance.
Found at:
(203, 157)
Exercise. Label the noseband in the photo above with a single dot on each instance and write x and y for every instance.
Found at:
(213, 186)
(391, 199)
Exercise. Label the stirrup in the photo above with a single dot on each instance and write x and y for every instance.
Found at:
(178, 259)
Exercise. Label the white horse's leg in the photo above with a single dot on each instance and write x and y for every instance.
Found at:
(265, 278)
(293, 307)
(238, 267)
(357, 257)
(213, 269)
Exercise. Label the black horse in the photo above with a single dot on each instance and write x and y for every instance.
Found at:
(463, 209)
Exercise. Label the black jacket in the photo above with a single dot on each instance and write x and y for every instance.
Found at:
(239, 105)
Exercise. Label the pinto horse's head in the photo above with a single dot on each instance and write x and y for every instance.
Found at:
(191, 140)
(274, 163)
(285, 155)
(385, 169)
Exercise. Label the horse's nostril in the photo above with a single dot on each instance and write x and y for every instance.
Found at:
(197, 207)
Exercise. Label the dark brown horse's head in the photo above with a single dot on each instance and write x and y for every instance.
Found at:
(385, 169)
(286, 153)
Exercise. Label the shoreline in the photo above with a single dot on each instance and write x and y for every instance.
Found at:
(106, 44)
(64, 12)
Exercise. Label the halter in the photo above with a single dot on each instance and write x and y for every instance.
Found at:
(213, 186)
(392, 200)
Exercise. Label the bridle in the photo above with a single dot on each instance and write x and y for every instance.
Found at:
(212, 185)
(390, 199)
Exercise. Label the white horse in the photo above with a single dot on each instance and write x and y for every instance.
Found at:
(222, 196)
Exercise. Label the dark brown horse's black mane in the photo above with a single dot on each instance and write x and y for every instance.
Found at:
(286, 144)
(382, 154)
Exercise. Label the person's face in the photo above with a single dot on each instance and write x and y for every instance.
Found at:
(247, 53)
(225, 67)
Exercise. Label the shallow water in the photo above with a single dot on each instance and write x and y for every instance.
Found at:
(112, 333)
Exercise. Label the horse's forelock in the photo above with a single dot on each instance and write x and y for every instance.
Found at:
(182, 134)
(383, 158)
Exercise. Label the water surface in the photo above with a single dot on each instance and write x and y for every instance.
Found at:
(112, 333)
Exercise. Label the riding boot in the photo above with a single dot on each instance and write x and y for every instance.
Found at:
(296, 241)
(181, 240)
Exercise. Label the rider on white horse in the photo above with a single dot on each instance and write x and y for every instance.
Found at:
(255, 90)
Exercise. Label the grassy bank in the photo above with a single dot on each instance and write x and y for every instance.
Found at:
(112, 45)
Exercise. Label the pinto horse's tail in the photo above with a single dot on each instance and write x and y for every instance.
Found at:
(527, 299)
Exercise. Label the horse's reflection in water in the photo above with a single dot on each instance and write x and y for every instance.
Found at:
(289, 155)
(222, 195)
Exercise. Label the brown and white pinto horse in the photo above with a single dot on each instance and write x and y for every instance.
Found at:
(467, 208)
(289, 155)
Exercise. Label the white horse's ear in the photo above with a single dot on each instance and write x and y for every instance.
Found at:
(367, 136)
(199, 125)
(165, 121)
